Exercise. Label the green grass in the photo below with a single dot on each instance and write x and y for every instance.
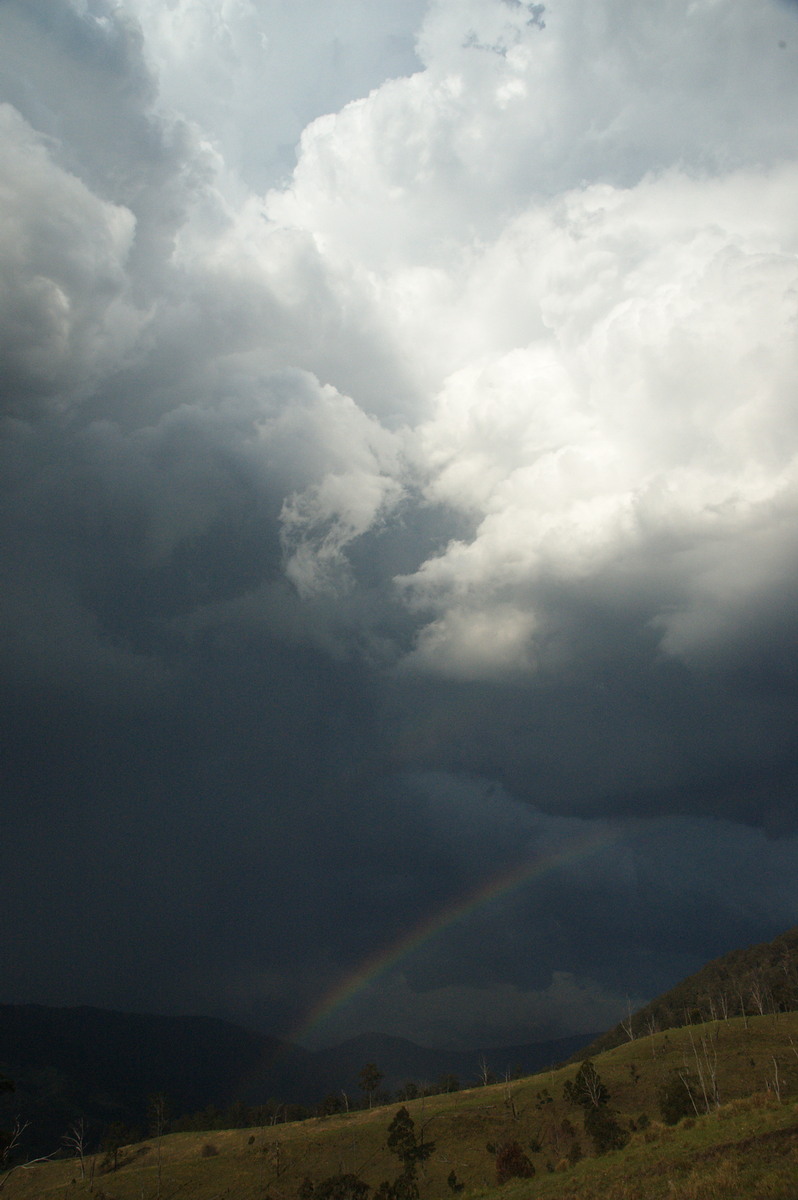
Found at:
(746, 1148)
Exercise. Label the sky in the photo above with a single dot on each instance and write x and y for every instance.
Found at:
(398, 506)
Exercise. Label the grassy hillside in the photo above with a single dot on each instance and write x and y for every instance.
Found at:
(755, 980)
(745, 1146)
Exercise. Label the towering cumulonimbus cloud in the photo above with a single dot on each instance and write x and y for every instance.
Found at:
(399, 441)
(542, 290)
(594, 287)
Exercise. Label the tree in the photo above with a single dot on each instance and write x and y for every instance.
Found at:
(10, 1140)
(159, 1121)
(586, 1089)
(601, 1125)
(403, 1142)
(75, 1139)
(676, 1097)
(370, 1079)
(604, 1130)
(512, 1163)
(411, 1150)
(115, 1137)
(237, 1116)
(335, 1187)
(486, 1076)
(343, 1187)
(6, 1085)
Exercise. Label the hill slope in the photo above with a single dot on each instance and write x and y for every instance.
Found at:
(752, 981)
(745, 1145)
(72, 1062)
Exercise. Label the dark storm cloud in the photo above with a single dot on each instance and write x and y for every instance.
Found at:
(363, 540)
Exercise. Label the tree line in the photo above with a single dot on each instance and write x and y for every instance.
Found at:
(759, 981)
(84, 1137)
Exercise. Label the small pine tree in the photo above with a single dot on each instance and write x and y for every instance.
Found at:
(403, 1142)
(370, 1079)
(402, 1136)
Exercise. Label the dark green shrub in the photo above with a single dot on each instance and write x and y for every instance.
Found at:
(604, 1130)
(512, 1163)
(337, 1187)
(675, 1097)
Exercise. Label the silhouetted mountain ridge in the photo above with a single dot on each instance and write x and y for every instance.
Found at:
(105, 1065)
(401, 1060)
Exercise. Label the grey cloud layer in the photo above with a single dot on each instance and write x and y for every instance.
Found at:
(454, 474)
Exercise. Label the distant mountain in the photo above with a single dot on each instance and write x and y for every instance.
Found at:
(755, 980)
(401, 1061)
(68, 1062)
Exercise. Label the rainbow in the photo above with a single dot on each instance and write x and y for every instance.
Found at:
(505, 882)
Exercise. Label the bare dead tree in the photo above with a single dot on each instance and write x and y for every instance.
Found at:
(743, 1009)
(774, 1080)
(685, 1078)
(75, 1140)
(509, 1094)
(13, 1140)
(627, 1025)
(11, 1145)
(484, 1070)
(159, 1119)
(758, 994)
(709, 1049)
(788, 966)
(651, 1029)
(706, 1064)
(276, 1157)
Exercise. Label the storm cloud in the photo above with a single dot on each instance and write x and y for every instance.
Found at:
(399, 485)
